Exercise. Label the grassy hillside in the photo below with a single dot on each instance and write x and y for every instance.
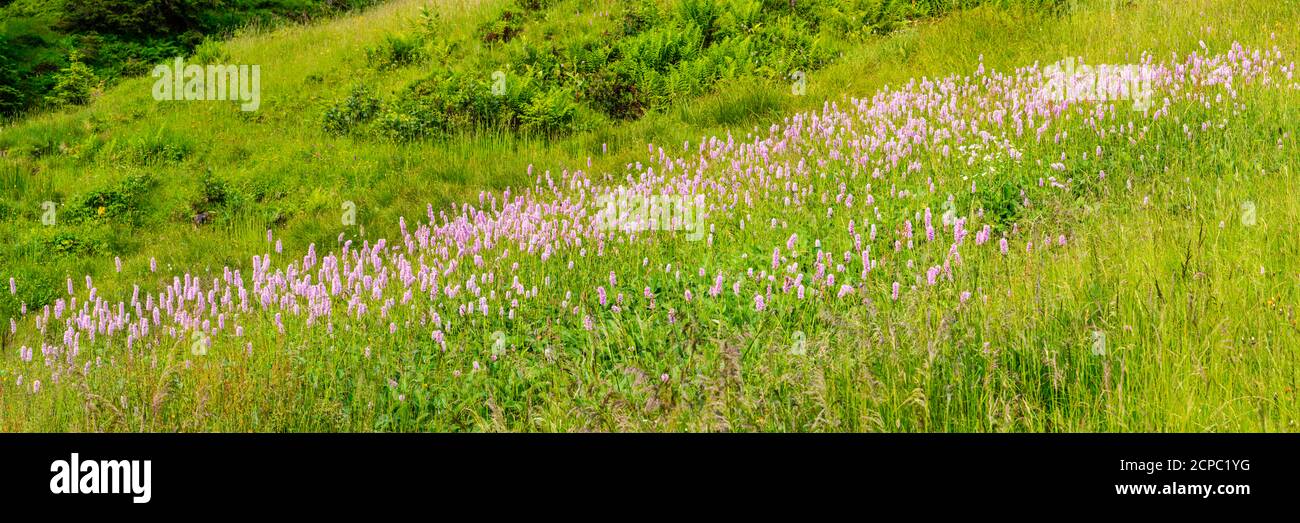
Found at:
(853, 275)
(56, 52)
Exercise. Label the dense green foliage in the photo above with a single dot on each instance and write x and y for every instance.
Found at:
(551, 67)
(73, 46)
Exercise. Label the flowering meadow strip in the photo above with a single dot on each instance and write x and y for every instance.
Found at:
(869, 201)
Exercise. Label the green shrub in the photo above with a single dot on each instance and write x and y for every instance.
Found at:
(790, 45)
(122, 202)
(131, 17)
(73, 84)
(218, 194)
(703, 14)
(409, 120)
(505, 27)
(210, 52)
(358, 109)
(12, 98)
(549, 112)
(614, 92)
(71, 243)
(741, 17)
(1001, 202)
(394, 51)
(639, 16)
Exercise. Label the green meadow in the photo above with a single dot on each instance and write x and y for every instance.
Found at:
(1152, 288)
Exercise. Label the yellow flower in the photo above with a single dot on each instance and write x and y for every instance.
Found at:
(101, 210)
